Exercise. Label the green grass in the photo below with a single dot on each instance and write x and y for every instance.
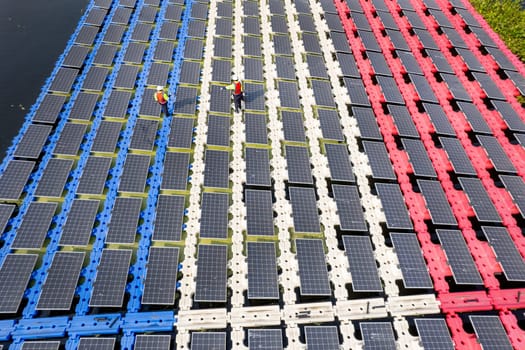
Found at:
(507, 18)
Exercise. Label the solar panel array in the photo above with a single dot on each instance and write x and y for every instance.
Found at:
(325, 161)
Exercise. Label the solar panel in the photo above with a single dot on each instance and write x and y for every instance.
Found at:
(253, 69)
(222, 47)
(185, 100)
(496, 154)
(349, 208)
(281, 44)
(316, 66)
(95, 78)
(455, 87)
(105, 55)
(304, 209)
(75, 56)
(252, 46)
(506, 252)
(520, 138)
(474, 117)
(161, 276)
(218, 131)
(208, 340)
(470, 60)
(169, 218)
(134, 173)
(313, 272)
(168, 31)
(434, 334)
(107, 136)
(409, 62)
(279, 24)
(340, 42)
(262, 270)
(134, 53)
(148, 106)
(158, 74)
(366, 121)
(259, 212)
(193, 49)
(418, 156)
(490, 332)
(322, 93)
(112, 274)
(190, 72)
(403, 121)
(199, 10)
(93, 178)
(35, 224)
(175, 175)
(491, 90)
(124, 220)
(330, 124)
(214, 215)
(96, 16)
(379, 160)
(83, 107)
(356, 91)
(328, 7)
(362, 263)
(311, 43)
(257, 167)
(265, 339)
(118, 103)
(79, 223)
(251, 8)
(394, 206)
(70, 139)
(479, 200)
(216, 169)
(298, 163)
(142, 32)
(61, 281)
(411, 262)
(461, 263)
(390, 89)
(5, 214)
(40, 345)
(223, 26)
(148, 14)
(144, 134)
(423, 88)
(14, 178)
(96, 343)
(285, 67)
(221, 70)
(181, 133)
(128, 3)
(122, 15)
(360, 21)
(425, 38)
(289, 94)
(454, 37)
(31, 144)
(377, 335)
(14, 276)
(148, 342)
(387, 20)
(509, 115)
(54, 178)
(339, 163)
(220, 100)
(254, 98)
(293, 126)
(197, 28)
(255, 126)
(379, 64)
(173, 13)
(126, 77)
(457, 156)
(276, 7)
(114, 34)
(211, 273)
(164, 52)
(439, 119)
(321, 338)
(306, 23)
(437, 203)
(516, 188)
(50, 108)
(86, 35)
(369, 40)
(397, 39)
(500, 58)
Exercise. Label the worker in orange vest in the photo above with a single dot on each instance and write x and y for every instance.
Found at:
(162, 98)
(238, 94)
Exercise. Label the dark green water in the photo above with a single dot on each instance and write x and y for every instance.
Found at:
(33, 34)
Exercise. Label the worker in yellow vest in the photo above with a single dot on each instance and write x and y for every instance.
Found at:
(162, 98)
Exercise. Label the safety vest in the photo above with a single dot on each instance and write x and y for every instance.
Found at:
(238, 88)
(160, 97)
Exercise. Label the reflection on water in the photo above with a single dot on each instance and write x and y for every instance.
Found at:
(33, 34)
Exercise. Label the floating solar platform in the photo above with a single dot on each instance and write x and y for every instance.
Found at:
(186, 224)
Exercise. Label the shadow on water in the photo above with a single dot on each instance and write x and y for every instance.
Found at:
(33, 34)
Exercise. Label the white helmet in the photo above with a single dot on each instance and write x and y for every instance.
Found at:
(160, 88)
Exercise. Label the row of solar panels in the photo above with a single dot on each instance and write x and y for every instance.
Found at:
(433, 334)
